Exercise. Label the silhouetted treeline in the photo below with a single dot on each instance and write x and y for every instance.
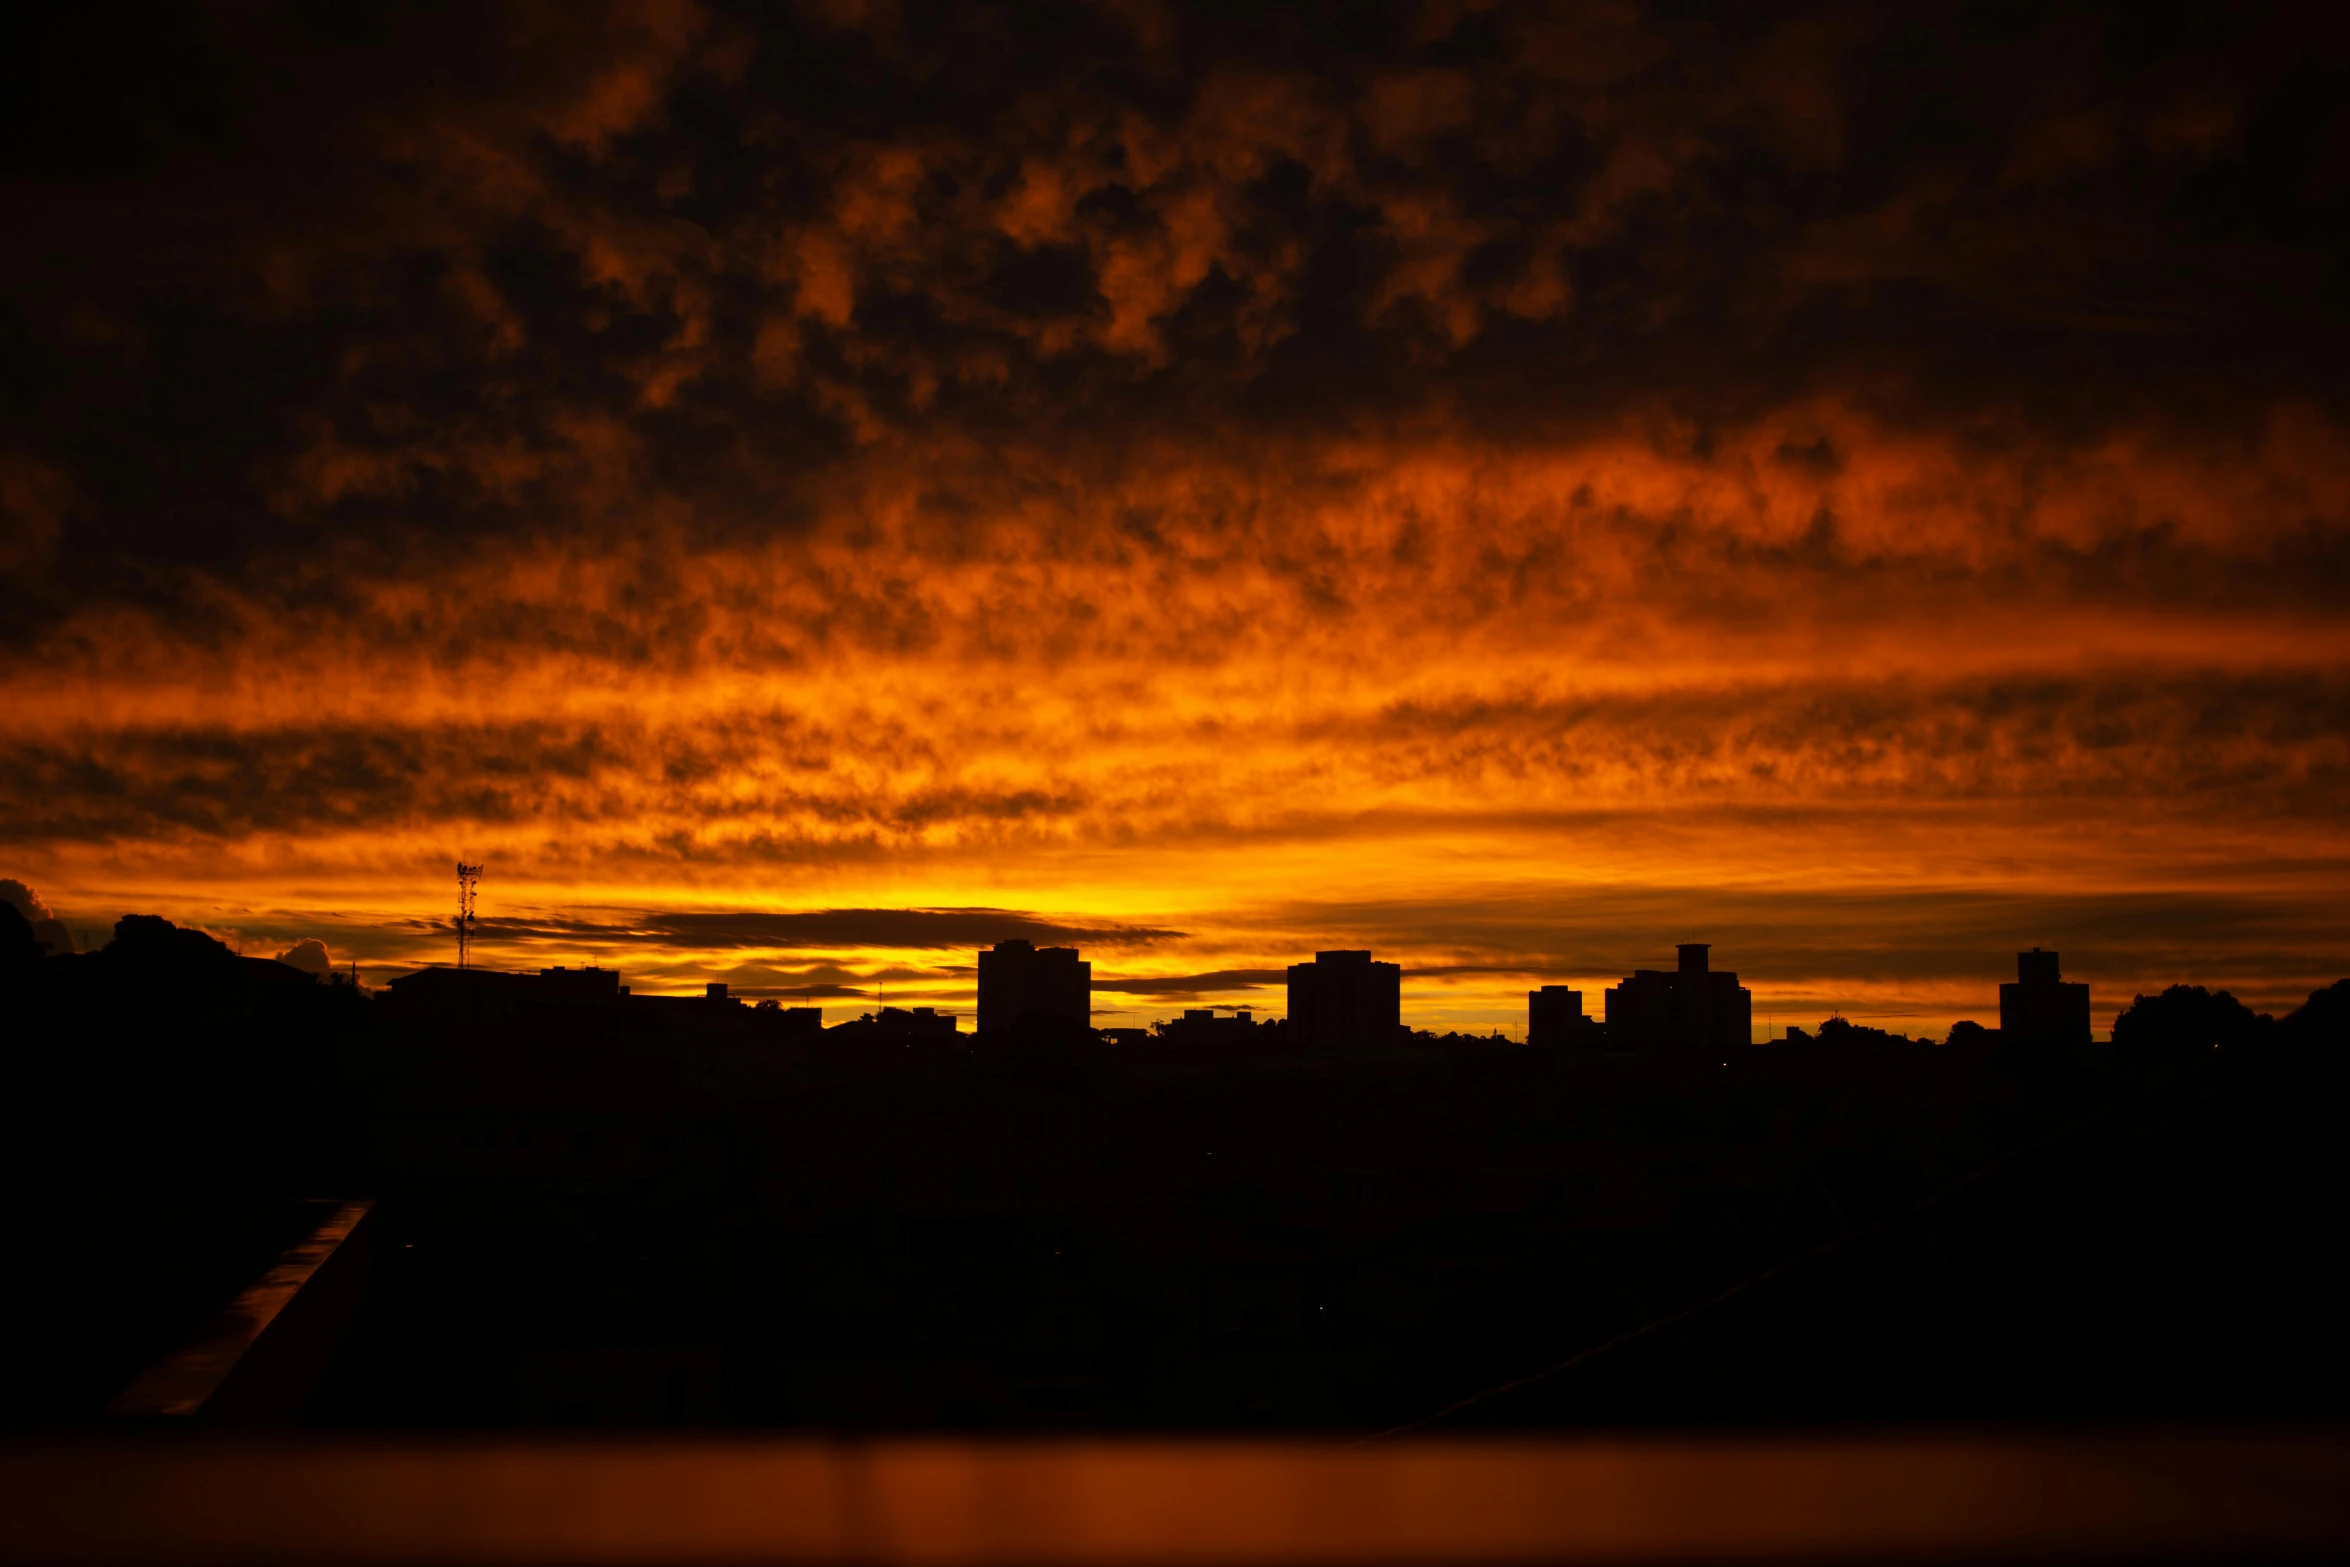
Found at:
(2186, 1023)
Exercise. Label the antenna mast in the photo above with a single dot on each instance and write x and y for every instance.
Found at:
(467, 876)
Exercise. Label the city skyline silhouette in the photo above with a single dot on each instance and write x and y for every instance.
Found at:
(588, 1206)
(830, 957)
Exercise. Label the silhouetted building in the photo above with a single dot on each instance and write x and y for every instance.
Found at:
(1690, 1014)
(2040, 1008)
(588, 998)
(1554, 1018)
(1201, 1026)
(914, 1024)
(588, 983)
(1343, 1003)
(449, 992)
(1016, 979)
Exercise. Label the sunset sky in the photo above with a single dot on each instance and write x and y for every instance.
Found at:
(803, 494)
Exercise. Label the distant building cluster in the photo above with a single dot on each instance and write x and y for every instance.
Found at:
(1343, 1003)
(488, 992)
(1201, 1026)
(1689, 1013)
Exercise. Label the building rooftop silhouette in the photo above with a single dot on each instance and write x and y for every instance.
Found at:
(1343, 1003)
(582, 995)
(1554, 1017)
(1201, 1026)
(1017, 979)
(2039, 1007)
(1692, 1013)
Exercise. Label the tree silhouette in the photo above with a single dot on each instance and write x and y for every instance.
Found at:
(2184, 1023)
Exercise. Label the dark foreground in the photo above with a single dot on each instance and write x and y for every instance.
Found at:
(585, 1219)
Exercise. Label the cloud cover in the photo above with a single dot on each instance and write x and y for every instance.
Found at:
(1152, 466)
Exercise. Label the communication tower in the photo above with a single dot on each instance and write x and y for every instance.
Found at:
(467, 876)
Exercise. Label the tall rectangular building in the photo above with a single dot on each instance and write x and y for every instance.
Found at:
(1017, 978)
(1342, 1003)
(1691, 1013)
(2040, 1008)
(1554, 1018)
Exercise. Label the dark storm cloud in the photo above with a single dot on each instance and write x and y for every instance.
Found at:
(229, 781)
(824, 928)
(1220, 982)
(802, 994)
(349, 286)
(309, 955)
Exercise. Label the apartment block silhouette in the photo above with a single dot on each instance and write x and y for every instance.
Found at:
(1693, 1013)
(1554, 1017)
(2040, 1007)
(1017, 978)
(1343, 1003)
